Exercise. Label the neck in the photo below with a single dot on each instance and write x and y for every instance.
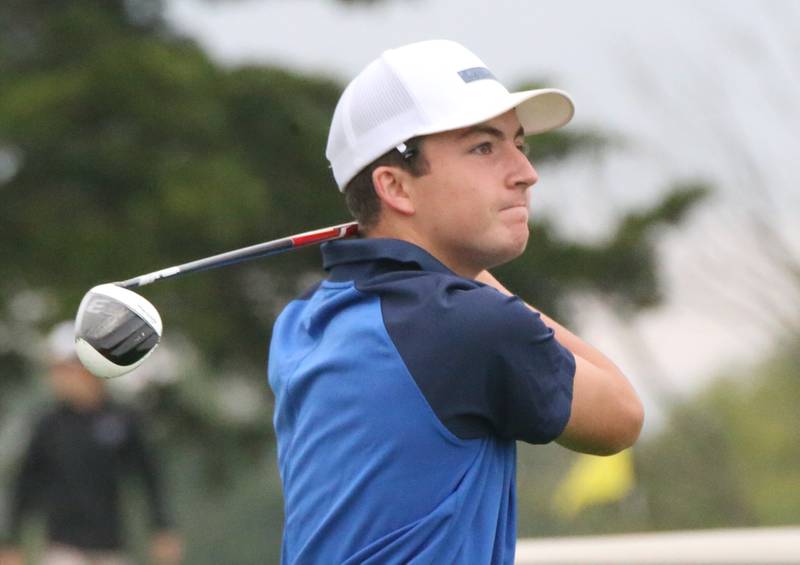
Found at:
(86, 402)
(408, 233)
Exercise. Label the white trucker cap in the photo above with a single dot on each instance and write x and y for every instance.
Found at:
(423, 88)
(60, 343)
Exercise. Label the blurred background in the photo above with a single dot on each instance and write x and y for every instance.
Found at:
(138, 134)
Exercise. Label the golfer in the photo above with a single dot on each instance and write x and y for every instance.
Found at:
(404, 379)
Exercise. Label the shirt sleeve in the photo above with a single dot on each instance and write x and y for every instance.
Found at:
(486, 363)
(140, 461)
(29, 481)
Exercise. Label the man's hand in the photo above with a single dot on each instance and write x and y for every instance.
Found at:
(11, 556)
(166, 548)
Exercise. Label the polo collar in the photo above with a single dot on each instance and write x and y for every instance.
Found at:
(348, 252)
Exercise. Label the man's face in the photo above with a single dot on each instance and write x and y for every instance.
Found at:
(471, 210)
(75, 385)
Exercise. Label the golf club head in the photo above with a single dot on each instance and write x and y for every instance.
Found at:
(115, 330)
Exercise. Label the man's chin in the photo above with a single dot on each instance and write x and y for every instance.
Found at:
(519, 240)
(509, 252)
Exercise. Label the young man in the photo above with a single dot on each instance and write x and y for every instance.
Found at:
(404, 379)
(80, 453)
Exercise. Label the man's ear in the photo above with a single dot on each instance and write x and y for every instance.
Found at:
(389, 183)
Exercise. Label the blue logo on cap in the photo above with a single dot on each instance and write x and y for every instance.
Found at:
(476, 73)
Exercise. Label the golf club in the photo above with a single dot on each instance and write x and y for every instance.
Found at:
(116, 329)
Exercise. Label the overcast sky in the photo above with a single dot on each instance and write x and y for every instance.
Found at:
(695, 89)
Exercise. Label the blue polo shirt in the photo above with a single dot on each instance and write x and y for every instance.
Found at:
(400, 389)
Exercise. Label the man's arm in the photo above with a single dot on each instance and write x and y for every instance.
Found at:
(606, 415)
(166, 546)
(28, 484)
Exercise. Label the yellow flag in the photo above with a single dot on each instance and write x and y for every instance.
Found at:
(594, 480)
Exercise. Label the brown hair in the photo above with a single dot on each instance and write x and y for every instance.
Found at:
(360, 195)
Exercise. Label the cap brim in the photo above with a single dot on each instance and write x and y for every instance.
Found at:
(538, 111)
(543, 110)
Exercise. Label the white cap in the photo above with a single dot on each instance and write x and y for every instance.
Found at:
(423, 88)
(61, 343)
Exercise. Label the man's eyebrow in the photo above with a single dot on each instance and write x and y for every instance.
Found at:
(490, 130)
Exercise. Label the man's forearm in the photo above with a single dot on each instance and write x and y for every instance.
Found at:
(606, 413)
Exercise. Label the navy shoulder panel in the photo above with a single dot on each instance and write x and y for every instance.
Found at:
(485, 362)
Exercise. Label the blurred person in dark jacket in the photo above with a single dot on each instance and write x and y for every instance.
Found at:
(72, 472)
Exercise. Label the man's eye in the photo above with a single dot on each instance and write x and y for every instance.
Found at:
(483, 148)
(524, 148)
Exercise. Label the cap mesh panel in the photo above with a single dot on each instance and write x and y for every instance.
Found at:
(386, 98)
(337, 142)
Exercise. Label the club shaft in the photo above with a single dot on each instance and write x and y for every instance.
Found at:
(245, 254)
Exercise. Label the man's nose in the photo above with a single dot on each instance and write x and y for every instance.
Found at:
(524, 174)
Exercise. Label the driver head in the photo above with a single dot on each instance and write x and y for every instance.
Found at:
(115, 330)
